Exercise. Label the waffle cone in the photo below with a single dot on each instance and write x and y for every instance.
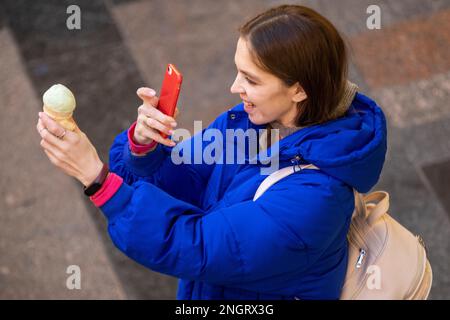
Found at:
(65, 119)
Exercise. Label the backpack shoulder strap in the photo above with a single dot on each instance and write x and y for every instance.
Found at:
(377, 201)
(277, 176)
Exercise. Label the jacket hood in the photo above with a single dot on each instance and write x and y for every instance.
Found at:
(351, 148)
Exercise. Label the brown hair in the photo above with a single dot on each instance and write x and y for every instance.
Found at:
(297, 44)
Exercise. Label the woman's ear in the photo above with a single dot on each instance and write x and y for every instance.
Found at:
(298, 93)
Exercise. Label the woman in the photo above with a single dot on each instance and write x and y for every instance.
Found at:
(198, 221)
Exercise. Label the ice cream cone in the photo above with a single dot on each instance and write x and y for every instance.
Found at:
(64, 119)
(59, 104)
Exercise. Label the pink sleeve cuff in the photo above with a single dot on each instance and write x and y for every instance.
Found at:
(108, 189)
(138, 148)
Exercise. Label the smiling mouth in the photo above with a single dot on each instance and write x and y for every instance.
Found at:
(248, 104)
(248, 107)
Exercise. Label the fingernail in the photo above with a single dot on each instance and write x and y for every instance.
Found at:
(173, 124)
(150, 92)
(170, 131)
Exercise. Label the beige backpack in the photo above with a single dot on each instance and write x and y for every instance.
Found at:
(386, 261)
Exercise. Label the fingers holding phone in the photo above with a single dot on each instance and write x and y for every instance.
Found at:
(156, 116)
(151, 122)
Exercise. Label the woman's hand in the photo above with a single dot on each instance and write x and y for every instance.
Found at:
(151, 121)
(73, 153)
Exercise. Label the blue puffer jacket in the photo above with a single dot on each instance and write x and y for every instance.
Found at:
(198, 222)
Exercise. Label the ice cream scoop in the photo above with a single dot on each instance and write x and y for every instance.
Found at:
(59, 104)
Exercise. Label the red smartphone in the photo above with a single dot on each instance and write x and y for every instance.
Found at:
(170, 90)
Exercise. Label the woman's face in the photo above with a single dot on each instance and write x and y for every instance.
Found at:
(266, 98)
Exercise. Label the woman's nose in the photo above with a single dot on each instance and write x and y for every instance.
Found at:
(236, 87)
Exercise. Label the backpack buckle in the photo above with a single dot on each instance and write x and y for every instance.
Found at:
(362, 254)
(296, 163)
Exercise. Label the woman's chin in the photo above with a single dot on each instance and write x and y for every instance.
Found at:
(256, 120)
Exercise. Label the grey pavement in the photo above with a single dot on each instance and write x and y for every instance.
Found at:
(44, 224)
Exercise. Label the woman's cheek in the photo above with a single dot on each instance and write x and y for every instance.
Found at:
(259, 95)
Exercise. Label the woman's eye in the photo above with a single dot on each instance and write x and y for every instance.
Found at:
(249, 81)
